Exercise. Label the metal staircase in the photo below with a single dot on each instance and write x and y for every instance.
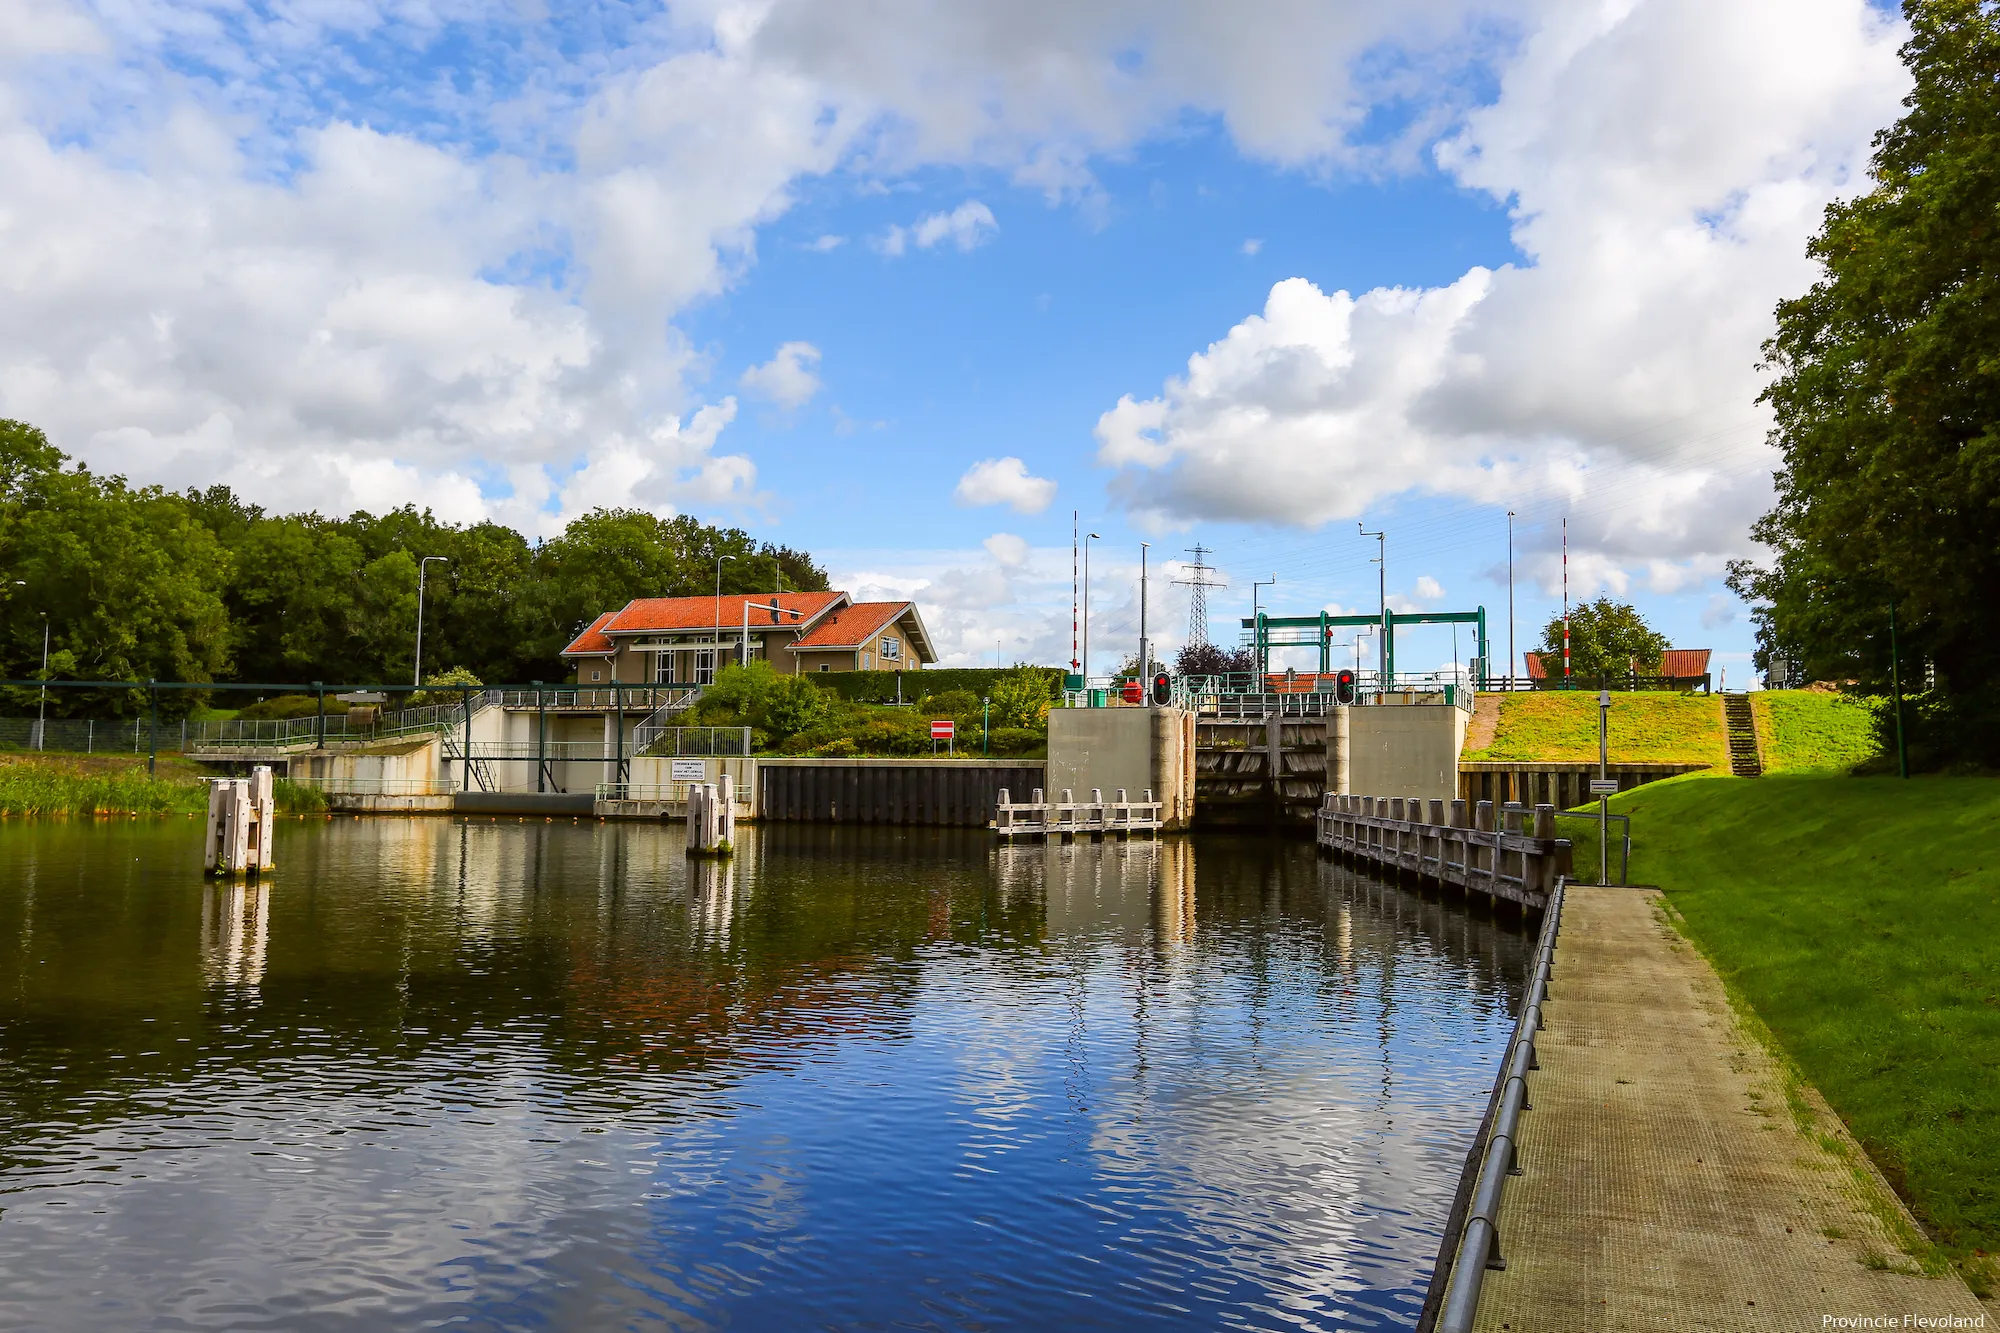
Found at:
(647, 734)
(1746, 759)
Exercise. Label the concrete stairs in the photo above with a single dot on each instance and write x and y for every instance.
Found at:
(1746, 759)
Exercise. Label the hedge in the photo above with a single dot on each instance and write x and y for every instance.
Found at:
(879, 687)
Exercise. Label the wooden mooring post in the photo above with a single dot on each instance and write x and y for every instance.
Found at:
(241, 812)
(711, 820)
(1471, 846)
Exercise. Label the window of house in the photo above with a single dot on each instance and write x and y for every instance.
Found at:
(597, 675)
(663, 668)
(891, 649)
(822, 666)
(704, 666)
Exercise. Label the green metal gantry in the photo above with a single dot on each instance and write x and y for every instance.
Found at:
(1317, 632)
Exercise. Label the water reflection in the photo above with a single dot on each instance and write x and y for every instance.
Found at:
(235, 925)
(538, 1073)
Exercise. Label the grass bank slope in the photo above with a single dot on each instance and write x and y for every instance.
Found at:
(54, 784)
(1646, 727)
(1860, 918)
(1810, 731)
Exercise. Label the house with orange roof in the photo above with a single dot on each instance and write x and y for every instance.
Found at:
(686, 640)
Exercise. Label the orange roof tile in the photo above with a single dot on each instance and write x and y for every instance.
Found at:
(852, 625)
(1675, 663)
(592, 641)
(645, 615)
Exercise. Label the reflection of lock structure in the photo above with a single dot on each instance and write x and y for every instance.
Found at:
(241, 812)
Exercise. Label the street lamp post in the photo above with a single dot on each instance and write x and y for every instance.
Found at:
(423, 567)
(1382, 593)
(1511, 659)
(42, 704)
(1145, 649)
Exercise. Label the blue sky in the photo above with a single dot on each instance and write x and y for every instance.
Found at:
(905, 284)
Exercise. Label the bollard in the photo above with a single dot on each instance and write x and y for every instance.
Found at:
(1435, 813)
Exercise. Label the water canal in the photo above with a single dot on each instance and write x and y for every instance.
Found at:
(550, 1075)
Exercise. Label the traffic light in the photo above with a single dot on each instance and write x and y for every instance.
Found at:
(1163, 689)
(1343, 687)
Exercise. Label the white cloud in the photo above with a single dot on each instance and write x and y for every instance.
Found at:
(996, 481)
(1664, 162)
(1427, 589)
(1252, 246)
(968, 226)
(242, 270)
(827, 244)
(787, 379)
(1009, 551)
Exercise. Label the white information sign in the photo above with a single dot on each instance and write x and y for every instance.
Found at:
(1604, 786)
(690, 770)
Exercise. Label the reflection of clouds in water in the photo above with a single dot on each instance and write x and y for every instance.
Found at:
(849, 1077)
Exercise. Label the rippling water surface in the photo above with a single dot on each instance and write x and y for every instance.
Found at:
(550, 1075)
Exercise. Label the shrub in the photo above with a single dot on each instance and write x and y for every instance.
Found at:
(951, 703)
(740, 688)
(1021, 698)
(1010, 741)
(437, 689)
(789, 705)
(840, 747)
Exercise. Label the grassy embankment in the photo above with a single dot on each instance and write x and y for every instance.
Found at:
(57, 784)
(1859, 918)
(1645, 727)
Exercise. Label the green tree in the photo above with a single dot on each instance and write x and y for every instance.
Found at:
(1606, 638)
(1887, 405)
(130, 582)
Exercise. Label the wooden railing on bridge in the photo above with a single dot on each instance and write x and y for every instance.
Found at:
(1455, 842)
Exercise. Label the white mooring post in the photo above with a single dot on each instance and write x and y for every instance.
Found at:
(711, 820)
(241, 813)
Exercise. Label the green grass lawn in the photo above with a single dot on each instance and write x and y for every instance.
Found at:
(1645, 727)
(1807, 731)
(59, 784)
(1860, 919)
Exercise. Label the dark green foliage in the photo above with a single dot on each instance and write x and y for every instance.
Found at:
(879, 687)
(141, 583)
(791, 705)
(129, 579)
(1606, 638)
(1887, 400)
(1206, 659)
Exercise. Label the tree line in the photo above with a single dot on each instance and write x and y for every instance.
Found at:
(1885, 538)
(136, 583)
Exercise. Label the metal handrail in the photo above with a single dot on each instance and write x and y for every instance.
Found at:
(658, 791)
(1451, 1309)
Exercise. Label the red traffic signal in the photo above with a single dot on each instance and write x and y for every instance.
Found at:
(1343, 687)
(1163, 689)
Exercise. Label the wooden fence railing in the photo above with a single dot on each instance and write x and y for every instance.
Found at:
(1508, 852)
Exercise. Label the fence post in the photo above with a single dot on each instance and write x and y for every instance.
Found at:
(152, 726)
(465, 750)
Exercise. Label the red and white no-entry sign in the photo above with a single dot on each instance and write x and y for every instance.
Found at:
(943, 729)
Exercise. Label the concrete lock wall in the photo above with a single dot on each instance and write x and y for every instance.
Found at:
(1403, 750)
(1139, 749)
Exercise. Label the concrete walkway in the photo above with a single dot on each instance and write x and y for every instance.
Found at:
(1674, 1177)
